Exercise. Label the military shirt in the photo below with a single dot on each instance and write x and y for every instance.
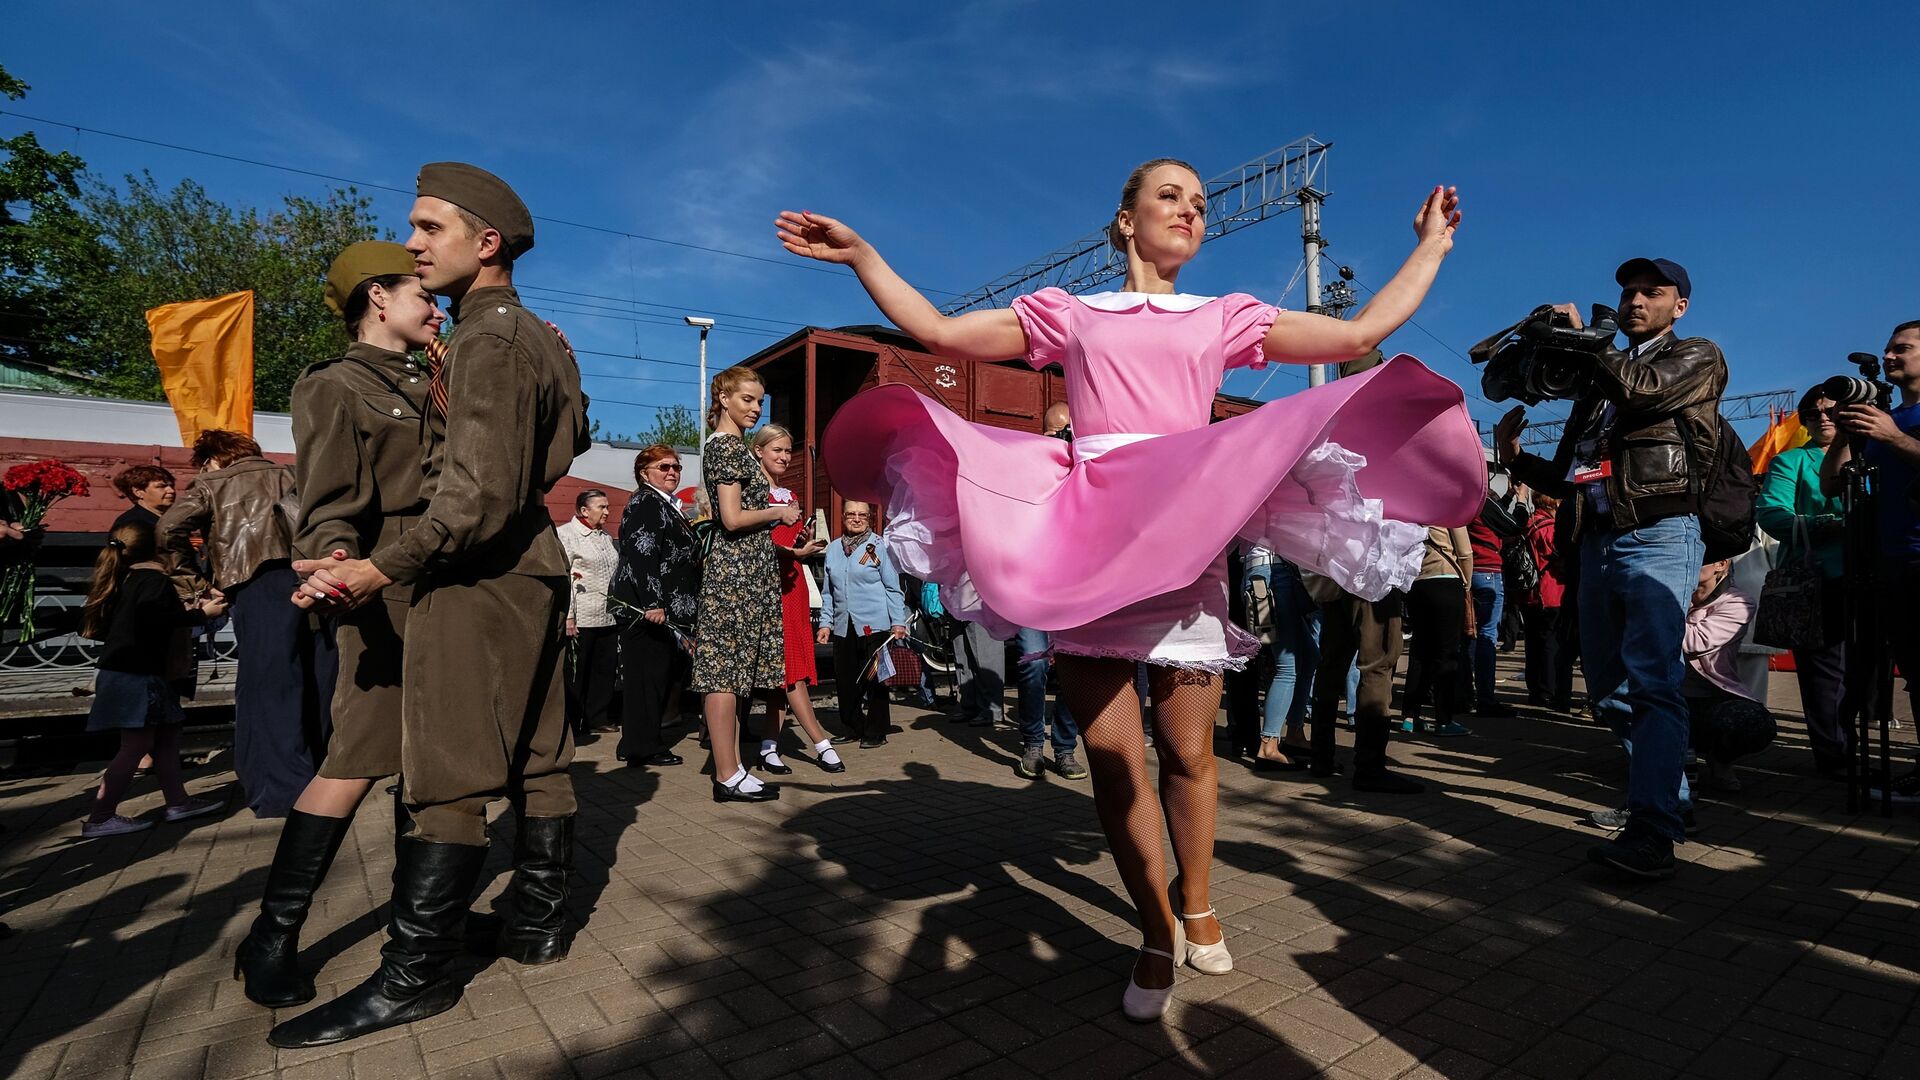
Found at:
(359, 429)
(515, 422)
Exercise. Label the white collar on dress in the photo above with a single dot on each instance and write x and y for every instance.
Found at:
(1133, 301)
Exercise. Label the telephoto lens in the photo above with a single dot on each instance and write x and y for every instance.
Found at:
(1850, 390)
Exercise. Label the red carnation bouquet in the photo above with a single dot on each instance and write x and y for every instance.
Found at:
(39, 484)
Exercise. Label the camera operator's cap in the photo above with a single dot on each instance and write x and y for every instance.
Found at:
(366, 259)
(1665, 269)
(483, 195)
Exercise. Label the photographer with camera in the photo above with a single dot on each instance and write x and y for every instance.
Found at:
(1631, 469)
(1888, 439)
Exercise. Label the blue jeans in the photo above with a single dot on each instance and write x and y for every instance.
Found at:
(1489, 603)
(1296, 650)
(1033, 698)
(1635, 587)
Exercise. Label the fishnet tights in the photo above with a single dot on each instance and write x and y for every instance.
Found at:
(1187, 705)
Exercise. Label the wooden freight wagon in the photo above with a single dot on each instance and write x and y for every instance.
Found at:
(811, 373)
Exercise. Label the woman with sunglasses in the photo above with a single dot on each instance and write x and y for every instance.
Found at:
(656, 592)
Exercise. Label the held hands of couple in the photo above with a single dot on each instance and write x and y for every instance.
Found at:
(337, 582)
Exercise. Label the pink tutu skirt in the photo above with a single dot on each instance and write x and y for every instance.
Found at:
(1116, 545)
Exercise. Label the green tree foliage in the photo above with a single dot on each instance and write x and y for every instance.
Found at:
(43, 239)
(674, 425)
(167, 246)
(82, 261)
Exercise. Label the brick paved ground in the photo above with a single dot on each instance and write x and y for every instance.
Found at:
(928, 914)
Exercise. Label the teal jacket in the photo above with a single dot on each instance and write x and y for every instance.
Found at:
(1792, 489)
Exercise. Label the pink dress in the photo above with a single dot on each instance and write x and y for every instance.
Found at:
(1116, 544)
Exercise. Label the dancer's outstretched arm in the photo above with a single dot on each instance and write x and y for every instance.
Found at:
(976, 335)
(1302, 337)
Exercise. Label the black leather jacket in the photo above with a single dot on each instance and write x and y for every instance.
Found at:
(1664, 437)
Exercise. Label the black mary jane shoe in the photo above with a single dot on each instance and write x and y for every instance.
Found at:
(832, 766)
(723, 793)
(779, 768)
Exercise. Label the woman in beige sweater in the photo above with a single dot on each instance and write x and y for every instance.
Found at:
(1438, 607)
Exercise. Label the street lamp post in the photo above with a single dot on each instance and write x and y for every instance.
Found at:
(705, 326)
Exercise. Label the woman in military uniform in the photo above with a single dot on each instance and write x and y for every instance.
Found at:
(360, 441)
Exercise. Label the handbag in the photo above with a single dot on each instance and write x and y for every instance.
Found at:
(1792, 611)
(906, 664)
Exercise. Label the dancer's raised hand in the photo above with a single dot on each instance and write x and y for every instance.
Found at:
(817, 236)
(1439, 216)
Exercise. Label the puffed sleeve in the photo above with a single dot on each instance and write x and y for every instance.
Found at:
(1044, 316)
(726, 462)
(1243, 333)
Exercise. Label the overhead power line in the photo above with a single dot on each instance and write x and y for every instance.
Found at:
(790, 264)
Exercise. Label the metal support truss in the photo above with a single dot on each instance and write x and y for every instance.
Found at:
(1768, 403)
(1267, 186)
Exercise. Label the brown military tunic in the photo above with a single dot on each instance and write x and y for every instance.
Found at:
(484, 714)
(359, 428)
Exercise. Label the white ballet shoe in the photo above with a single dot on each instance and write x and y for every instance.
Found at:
(1211, 959)
(1144, 1006)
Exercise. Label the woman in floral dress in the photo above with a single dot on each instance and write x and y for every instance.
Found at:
(740, 648)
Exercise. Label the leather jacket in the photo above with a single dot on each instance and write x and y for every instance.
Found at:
(247, 512)
(1663, 440)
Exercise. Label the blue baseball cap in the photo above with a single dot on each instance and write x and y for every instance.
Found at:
(1665, 269)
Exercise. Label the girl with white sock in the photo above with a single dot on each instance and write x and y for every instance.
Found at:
(773, 446)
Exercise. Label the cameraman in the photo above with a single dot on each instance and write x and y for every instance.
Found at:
(1636, 440)
(1891, 443)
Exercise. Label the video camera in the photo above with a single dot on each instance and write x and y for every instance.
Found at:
(1544, 357)
(1864, 389)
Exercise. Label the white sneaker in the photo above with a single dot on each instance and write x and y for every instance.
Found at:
(113, 826)
(194, 808)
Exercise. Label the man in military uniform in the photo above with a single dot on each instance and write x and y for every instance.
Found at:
(483, 713)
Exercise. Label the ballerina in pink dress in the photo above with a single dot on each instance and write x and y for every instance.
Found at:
(1090, 541)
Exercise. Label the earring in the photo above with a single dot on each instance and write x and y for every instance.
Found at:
(383, 316)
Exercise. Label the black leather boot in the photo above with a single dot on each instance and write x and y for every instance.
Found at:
(1370, 772)
(432, 884)
(536, 932)
(269, 959)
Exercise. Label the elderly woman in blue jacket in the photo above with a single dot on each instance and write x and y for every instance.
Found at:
(859, 596)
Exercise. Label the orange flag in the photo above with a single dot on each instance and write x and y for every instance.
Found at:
(205, 352)
(1786, 435)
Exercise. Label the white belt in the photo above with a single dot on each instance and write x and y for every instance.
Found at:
(1088, 447)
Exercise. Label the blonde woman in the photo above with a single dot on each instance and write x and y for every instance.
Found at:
(1131, 570)
(773, 446)
(739, 648)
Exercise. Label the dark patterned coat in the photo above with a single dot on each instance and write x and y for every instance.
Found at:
(659, 561)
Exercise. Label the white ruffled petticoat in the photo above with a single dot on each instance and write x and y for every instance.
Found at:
(1345, 537)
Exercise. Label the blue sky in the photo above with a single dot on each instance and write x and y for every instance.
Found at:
(1769, 147)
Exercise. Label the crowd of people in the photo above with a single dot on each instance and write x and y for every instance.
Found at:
(408, 548)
